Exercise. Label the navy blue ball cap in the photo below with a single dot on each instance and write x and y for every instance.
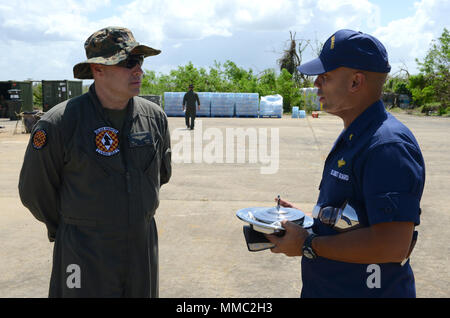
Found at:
(348, 48)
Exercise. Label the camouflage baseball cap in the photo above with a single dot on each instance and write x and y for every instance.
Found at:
(110, 46)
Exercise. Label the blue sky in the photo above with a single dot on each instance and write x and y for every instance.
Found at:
(44, 39)
(395, 9)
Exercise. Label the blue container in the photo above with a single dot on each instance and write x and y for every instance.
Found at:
(301, 114)
(295, 112)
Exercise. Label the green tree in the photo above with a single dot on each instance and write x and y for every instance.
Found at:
(421, 90)
(435, 68)
(292, 58)
(287, 88)
(226, 77)
(267, 83)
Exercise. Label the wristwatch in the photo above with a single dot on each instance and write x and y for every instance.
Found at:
(307, 249)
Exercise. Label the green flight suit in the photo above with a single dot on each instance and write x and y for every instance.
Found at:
(97, 190)
(189, 100)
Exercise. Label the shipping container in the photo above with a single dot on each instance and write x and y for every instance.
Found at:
(396, 100)
(25, 95)
(404, 101)
(157, 99)
(55, 92)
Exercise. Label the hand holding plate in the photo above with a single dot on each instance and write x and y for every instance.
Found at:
(291, 242)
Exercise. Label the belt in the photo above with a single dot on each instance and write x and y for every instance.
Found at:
(411, 247)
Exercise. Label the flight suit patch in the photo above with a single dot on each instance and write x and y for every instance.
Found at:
(39, 139)
(140, 139)
(106, 141)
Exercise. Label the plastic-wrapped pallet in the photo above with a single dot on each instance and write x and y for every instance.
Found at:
(173, 103)
(271, 106)
(222, 104)
(205, 104)
(247, 104)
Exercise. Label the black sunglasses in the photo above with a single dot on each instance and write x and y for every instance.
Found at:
(132, 61)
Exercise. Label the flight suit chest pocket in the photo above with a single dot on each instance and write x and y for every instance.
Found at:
(146, 154)
(143, 149)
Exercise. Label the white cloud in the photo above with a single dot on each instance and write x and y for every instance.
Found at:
(42, 39)
(409, 38)
(51, 20)
(353, 14)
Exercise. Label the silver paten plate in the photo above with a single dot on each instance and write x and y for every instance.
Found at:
(268, 220)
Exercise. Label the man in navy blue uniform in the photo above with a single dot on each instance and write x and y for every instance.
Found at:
(375, 166)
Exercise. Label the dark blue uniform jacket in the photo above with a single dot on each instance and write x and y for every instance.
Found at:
(376, 164)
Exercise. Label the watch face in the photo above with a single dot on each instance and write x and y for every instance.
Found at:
(307, 253)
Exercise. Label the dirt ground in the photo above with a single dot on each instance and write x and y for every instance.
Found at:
(202, 248)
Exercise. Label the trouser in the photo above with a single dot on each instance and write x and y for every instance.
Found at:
(94, 261)
(190, 114)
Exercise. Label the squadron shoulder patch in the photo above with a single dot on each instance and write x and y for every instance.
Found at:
(106, 141)
(39, 139)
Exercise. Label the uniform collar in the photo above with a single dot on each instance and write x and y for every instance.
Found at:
(131, 113)
(374, 113)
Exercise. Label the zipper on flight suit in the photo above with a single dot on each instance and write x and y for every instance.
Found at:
(128, 179)
(126, 127)
(125, 159)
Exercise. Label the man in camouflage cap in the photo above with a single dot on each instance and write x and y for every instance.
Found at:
(110, 46)
(92, 173)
